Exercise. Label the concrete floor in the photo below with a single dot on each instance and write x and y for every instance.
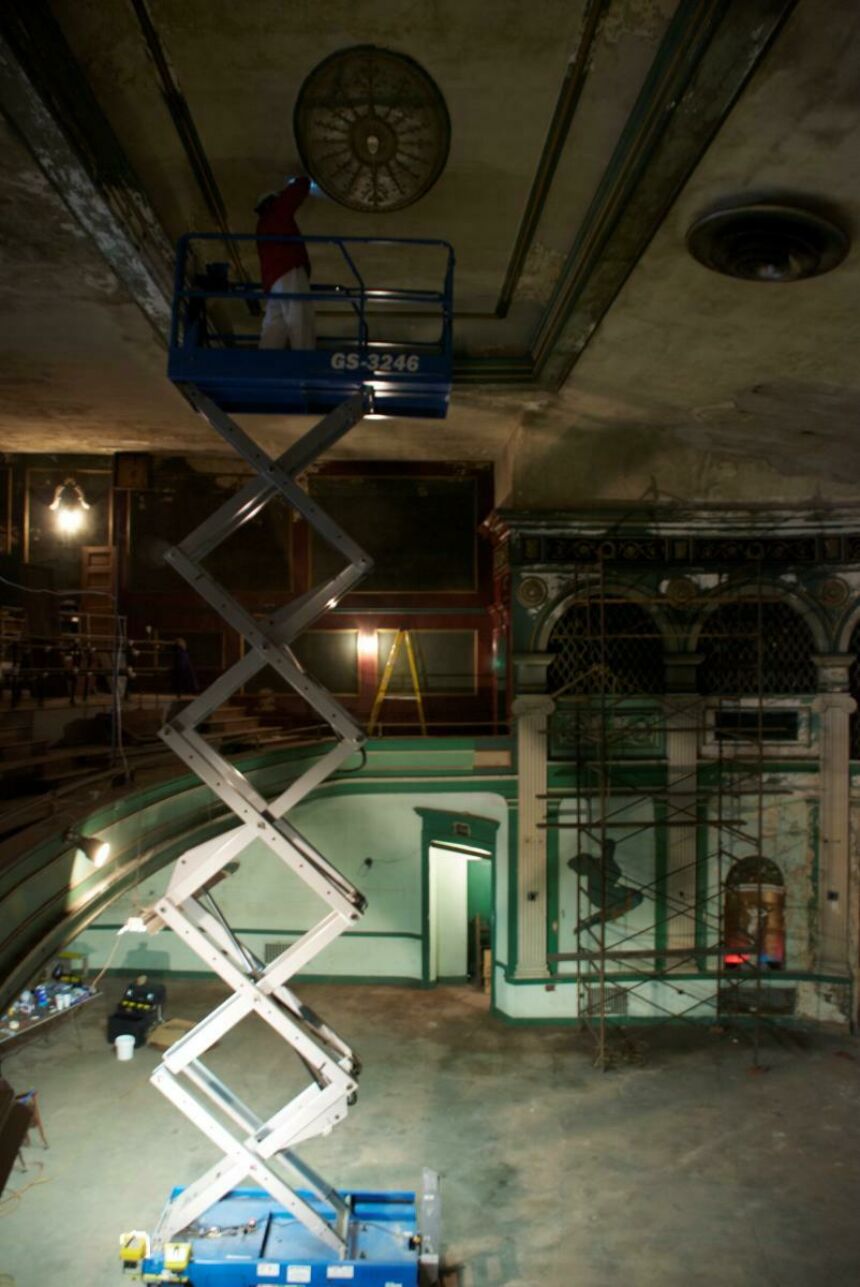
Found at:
(682, 1168)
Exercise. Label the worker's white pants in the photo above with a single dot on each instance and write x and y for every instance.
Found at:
(289, 323)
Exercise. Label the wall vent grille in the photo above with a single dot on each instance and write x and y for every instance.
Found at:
(273, 949)
(614, 1001)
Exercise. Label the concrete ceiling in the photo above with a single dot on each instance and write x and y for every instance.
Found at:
(596, 359)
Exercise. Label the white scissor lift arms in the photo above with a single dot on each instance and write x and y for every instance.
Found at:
(251, 1146)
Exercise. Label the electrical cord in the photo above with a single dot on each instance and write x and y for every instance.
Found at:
(11, 1201)
(103, 971)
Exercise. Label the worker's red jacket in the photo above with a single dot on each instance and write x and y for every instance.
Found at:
(278, 219)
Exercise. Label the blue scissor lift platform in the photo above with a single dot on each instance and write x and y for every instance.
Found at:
(408, 377)
(245, 1241)
(212, 1233)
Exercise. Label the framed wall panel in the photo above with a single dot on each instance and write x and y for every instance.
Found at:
(256, 559)
(447, 661)
(330, 656)
(421, 530)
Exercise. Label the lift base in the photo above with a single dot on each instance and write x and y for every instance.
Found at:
(259, 1243)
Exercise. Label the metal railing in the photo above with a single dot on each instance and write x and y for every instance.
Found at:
(192, 322)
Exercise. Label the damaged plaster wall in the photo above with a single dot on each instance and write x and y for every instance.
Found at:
(576, 450)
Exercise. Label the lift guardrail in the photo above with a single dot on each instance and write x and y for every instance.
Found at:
(394, 340)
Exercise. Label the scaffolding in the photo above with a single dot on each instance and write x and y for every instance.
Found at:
(667, 799)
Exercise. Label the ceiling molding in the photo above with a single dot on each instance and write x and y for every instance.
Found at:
(707, 56)
(189, 137)
(48, 102)
(570, 93)
(709, 52)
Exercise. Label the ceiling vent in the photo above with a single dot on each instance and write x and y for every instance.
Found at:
(767, 243)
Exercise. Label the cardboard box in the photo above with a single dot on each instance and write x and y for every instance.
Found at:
(165, 1034)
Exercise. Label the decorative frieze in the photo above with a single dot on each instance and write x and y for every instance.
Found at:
(543, 548)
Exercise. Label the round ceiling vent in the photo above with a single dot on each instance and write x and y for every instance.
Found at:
(372, 128)
(767, 243)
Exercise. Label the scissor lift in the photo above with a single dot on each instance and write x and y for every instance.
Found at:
(292, 1226)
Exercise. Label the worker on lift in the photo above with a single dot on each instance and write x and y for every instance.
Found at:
(285, 267)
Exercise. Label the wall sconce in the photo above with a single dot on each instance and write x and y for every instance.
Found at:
(98, 851)
(366, 645)
(69, 505)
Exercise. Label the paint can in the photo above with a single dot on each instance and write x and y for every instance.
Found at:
(124, 1046)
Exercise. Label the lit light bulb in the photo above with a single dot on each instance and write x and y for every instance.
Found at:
(69, 505)
(70, 521)
(98, 851)
(101, 854)
(366, 645)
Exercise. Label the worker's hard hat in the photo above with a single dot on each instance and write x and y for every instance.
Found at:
(262, 199)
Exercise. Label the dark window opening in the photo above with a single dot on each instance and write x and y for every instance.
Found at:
(606, 647)
(756, 648)
(756, 726)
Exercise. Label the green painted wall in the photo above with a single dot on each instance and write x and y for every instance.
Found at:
(479, 883)
(267, 904)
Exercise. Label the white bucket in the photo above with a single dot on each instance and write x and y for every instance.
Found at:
(124, 1047)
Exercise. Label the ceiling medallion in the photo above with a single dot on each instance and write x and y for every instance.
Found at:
(532, 592)
(372, 128)
(767, 243)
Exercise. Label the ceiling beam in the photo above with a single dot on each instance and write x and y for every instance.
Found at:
(710, 51)
(46, 98)
(192, 144)
(572, 86)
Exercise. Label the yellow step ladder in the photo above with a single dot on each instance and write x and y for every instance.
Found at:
(402, 638)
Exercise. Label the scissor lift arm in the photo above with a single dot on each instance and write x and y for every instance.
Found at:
(254, 1148)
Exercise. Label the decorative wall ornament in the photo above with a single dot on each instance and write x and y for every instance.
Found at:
(532, 592)
(372, 128)
(687, 552)
(635, 731)
(681, 591)
(833, 592)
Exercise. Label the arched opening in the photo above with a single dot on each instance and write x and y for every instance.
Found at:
(602, 645)
(754, 915)
(755, 647)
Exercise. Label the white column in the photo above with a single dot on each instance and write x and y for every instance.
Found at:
(532, 716)
(834, 710)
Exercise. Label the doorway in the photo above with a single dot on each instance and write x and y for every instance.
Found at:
(458, 882)
(460, 889)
